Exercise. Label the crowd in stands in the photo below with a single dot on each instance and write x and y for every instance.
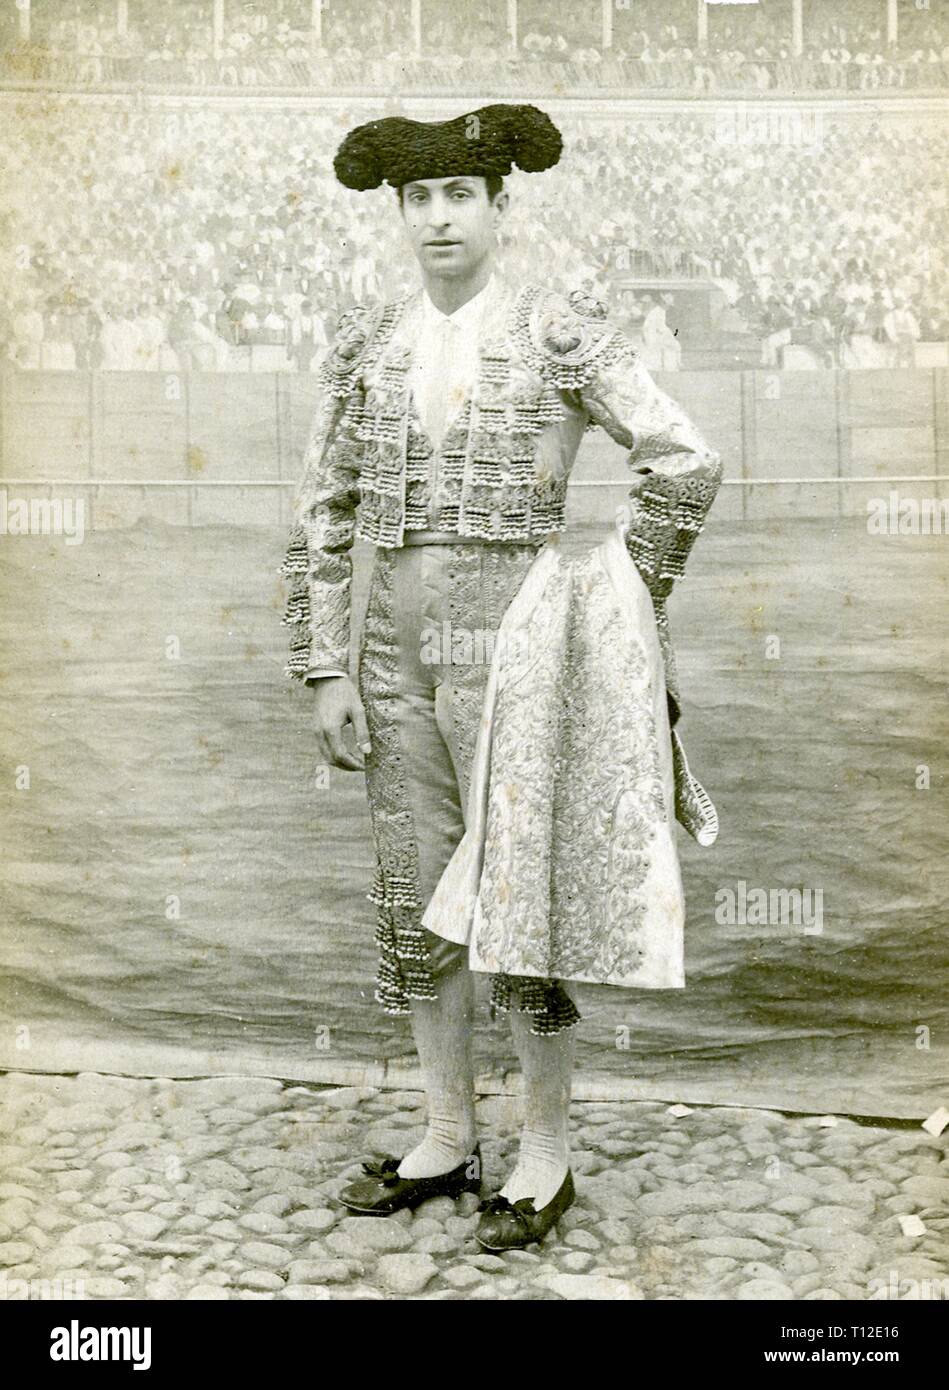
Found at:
(363, 43)
(145, 237)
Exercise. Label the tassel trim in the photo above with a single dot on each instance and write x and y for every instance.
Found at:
(404, 971)
(550, 1006)
(295, 568)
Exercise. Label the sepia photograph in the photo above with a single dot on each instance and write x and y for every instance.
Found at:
(474, 498)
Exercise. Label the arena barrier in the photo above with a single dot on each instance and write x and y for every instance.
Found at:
(226, 448)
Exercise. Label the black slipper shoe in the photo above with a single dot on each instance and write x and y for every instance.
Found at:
(382, 1191)
(510, 1226)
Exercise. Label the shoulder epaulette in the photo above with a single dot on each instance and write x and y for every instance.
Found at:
(566, 340)
(361, 334)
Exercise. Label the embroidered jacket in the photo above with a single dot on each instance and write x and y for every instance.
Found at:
(549, 368)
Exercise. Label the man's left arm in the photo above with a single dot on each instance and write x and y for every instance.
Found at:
(678, 473)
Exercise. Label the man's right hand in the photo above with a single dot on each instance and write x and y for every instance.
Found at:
(337, 706)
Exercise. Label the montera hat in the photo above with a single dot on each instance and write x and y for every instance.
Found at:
(489, 141)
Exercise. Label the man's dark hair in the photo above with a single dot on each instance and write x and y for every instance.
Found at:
(493, 185)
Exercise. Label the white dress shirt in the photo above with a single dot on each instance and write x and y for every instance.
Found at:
(443, 371)
(445, 361)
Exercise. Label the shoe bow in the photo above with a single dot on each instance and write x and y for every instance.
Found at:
(522, 1210)
(386, 1169)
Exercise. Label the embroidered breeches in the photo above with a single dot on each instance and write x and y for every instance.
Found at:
(424, 661)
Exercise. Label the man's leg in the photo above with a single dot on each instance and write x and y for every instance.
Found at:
(547, 1071)
(470, 587)
(442, 1030)
(484, 581)
(417, 819)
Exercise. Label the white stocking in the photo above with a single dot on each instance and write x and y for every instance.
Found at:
(544, 1154)
(442, 1029)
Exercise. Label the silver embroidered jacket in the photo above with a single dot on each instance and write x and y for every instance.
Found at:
(549, 367)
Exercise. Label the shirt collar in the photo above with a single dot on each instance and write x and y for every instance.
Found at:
(468, 317)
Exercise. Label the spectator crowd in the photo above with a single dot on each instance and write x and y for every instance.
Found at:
(361, 44)
(144, 236)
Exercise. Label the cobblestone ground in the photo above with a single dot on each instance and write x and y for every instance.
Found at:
(224, 1189)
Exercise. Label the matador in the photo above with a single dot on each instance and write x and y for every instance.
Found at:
(449, 425)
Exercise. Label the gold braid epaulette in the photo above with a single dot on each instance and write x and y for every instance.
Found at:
(361, 334)
(566, 341)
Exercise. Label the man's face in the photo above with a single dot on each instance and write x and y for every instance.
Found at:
(451, 224)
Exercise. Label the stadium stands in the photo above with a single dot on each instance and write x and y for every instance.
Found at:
(143, 236)
(357, 45)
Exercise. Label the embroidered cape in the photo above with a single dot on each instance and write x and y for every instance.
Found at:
(568, 866)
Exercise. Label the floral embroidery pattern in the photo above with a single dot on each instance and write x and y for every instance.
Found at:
(574, 809)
